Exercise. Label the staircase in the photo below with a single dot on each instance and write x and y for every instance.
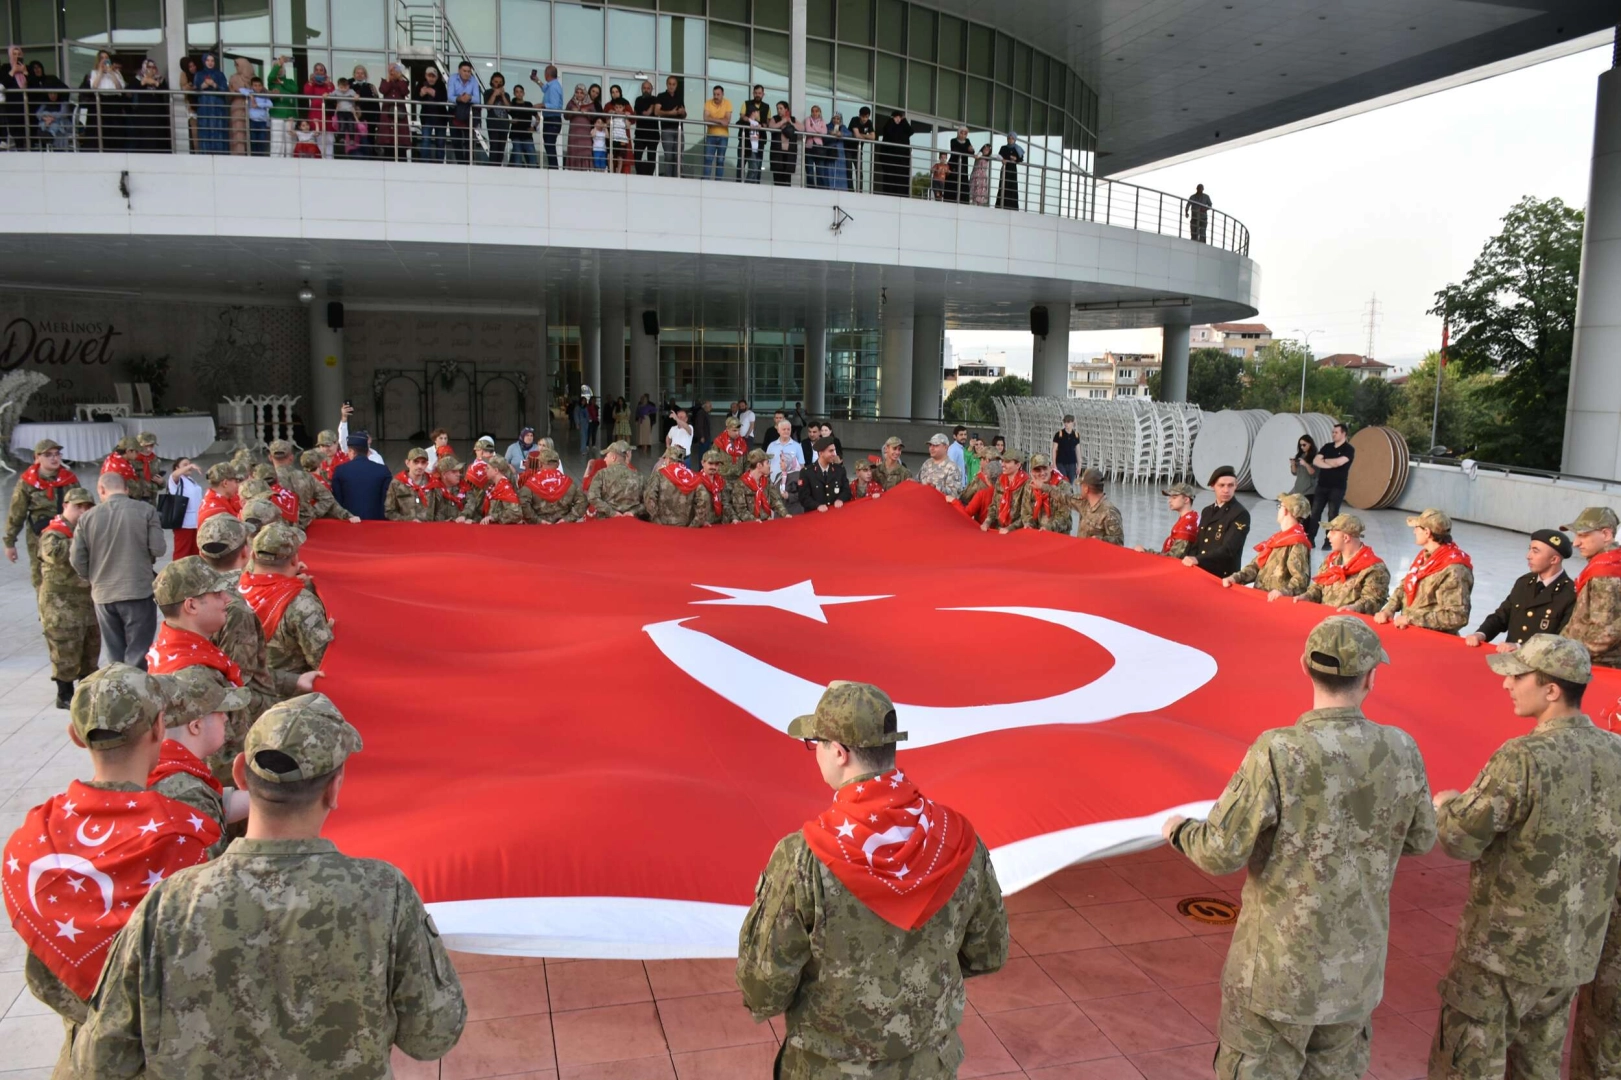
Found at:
(424, 36)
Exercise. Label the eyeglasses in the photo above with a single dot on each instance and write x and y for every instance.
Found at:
(810, 744)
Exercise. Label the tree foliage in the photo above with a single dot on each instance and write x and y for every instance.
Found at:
(970, 402)
(1468, 412)
(1514, 316)
(1274, 376)
(1373, 401)
(1215, 380)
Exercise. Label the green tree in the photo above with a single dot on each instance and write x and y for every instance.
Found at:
(1215, 380)
(1373, 401)
(1273, 382)
(1514, 315)
(1468, 412)
(970, 403)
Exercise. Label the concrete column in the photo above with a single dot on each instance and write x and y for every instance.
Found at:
(928, 362)
(326, 372)
(1173, 376)
(174, 49)
(1593, 405)
(644, 359)
(815, 361)
(548, 371)
(895, 357)
(1049, 356)
(796, 59)
(591, 336)
(613, 344)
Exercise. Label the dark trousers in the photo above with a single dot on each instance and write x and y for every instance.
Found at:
(127, 630)
(646, 148)
(551, 125)
(1325, 506)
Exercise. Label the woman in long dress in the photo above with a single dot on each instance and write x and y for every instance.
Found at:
(213, 106)
(238, 83)
(979, 181)
(149, 111)
(393, 136)
(962, 156)
(645, 411)
(580, 115)
(621, 414)
(1007, 195)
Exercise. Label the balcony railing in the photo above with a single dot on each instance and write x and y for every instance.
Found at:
(1022, 175)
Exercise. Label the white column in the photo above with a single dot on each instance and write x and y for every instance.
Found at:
(1173, 376)
(1593, 405)
(591, 336)
(815, 390)
(928, 362)
(548, 372)
(797, 29)
(895, 357)
(326, 372)
(613, 343)
(1049, 368)
(174, 49)
(644, 359)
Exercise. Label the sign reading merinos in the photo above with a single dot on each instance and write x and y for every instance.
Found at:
(55, 341)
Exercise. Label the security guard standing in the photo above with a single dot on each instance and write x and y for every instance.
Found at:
(1333, 801)
(1540, 602)
(866, 921)
(204, 976)
(1224, 525)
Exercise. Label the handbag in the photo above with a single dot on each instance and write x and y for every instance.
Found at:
(172, 510)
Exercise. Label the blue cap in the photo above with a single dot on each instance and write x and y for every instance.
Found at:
(359, 439)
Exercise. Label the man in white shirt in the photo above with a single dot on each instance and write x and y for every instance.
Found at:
(745, 417)
(784, 455)
(680, 432)
(343, 435)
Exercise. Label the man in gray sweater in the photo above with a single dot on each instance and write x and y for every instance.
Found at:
(114, 547)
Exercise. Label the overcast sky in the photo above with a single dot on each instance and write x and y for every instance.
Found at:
(1395, 202)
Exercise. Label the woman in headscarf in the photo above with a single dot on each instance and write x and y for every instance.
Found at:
(979, 181)
(366, 110)
(816, 149)
(187, 100)
(433, 111)
(620, 129)
(149, 111)
(580, 115)
(962, 156)
(213, 106)
(102, 97)
(838, 168)
(281, 81)
(319, 86)
(240, 84)
(393, 134)
(1007, 194)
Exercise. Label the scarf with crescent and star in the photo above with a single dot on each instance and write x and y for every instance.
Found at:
(548, 484)
(1428, 563)
(1186, 528)
(175, 649)
(269, 595)
(176, 757)
(64, 478)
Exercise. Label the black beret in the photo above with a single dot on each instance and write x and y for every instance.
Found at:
(1224, 470)
(1554, 539)
(824, 443)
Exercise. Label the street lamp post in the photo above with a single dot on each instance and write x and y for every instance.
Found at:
(1304, 357)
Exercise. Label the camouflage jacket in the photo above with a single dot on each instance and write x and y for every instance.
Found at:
(666, 504)
(536, 510)
(242, 638)
(1364, 593)
(1542, 825)
(943, 476)
(1320, 813)
(616, 490)
(1100, 522)
(890, 475)
(1018, 505)
(314, 499)
(703, 507)
(1057, 518)
(1287, 569)
(1596, 619)
(301, 637)
(195, 793)
(504, 467)
(57, 575)
(499, 511)
(444, 507)
(223, 971)
(400, 503)
(855, 989)
(740, 501)
(31, 507)
(1441, 602)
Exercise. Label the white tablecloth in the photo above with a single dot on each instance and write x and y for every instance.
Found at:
(178, 436)
(80, 441)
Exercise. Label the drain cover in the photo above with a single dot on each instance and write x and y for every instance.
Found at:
(1209, 909)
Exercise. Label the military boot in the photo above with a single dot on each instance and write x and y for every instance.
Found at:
(64, 693)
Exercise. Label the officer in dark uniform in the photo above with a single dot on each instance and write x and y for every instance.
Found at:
(1224, 527)
(1541, 601)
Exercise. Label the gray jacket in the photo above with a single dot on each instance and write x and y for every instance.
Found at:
(115, 546)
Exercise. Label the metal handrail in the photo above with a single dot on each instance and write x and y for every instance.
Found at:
(168, 121)
(1513, 470)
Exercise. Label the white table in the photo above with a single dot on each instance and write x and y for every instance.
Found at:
(178, 436)
(80, 441)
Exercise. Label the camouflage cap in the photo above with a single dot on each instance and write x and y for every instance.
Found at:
(281, 448)
(620, 447)
(196, 691)
(991, 454)
(310, 460)
(45, 446)
(754, 457)
(851, 713)
(146, 438)
(222, 534)
(1015, 456)
(1437, 521)
(1039, 461)
(716, 457)
(114, 704)
(1342, 645)
(1187, 490)
(78, 495)
(547, 455)
(308, 732)
(416, 453)
(1594, 517)
(447, 463)
(733, 423)
(674, 452)
(1561, 657)
(221, 471)
(1091, 478)
(276, 541)
(125, 445)
(258, 513)
(939, 438)
(254, 489)
(186, 578)
(266, 473)
(893, 440)
(327, 437)
(863, 465)
(1295, 506)
(1349, 524)
(484, 443)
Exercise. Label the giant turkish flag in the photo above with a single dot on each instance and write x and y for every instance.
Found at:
(575, 735)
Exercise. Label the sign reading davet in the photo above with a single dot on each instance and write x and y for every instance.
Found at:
(55, 341)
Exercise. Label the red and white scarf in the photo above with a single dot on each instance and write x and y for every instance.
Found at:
(1429, 563)
(286, 501)
(457, 495)
(1336, 570)
(762, 496)
(871, 489)
(215, 503)
(64, 478)
(177, 757)
(548, 484)
(422, 491)
(58, 525)
(1008, 485)
(118, 463)
(1604, 564)
(716, 484)
(685, 480)
(733, 446)
(1294, 534)
(269, 595)
(175, 649)
(1186, 528)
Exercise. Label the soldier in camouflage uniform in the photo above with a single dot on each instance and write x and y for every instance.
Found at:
(299, 641)
(752, 496)
(310, 461)
(203, 979)
(867, 992)
(35, 500)
(409, 498)
(143, 458)
(314, 499)
(1099, 518)
(1282, 562)
(616, 490)
(450, 490)
(484, 450)
(1542, 826)
(664, 500)
(546, 496)
(1048, 509)
(711, 507)
(491, 498)
(1435, 591)
(1320, 814)
(1596, 619)
(940, 472)
(66, 613)
(1353, 578)
(1010, 497)
(1179, 500)
(980, 492)
(259, 511)
(194, 720)
(889, 470)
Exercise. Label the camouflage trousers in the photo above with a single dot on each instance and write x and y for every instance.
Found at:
(796, 1064)
(31, 542)
(1491, 1023)
(1256, 1047)
(1596, 1054)
(64, 1061)
(71, 634)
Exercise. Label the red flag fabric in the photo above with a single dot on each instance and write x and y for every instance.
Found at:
(215, 503)
(269, 595)
(81, 862)
(1186, 528)
(174, 649)
(118, 463)
(552, 826)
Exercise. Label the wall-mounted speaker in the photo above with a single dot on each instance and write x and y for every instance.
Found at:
(650, 323)
(1038, 321)
(334, 315)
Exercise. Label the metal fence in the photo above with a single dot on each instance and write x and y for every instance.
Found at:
(1024, 175)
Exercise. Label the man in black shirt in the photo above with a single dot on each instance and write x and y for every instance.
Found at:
(1333, 470)
(864, 132)
(1540, 602)
(1066, 444)
(671, 107)
(824, 484)
(646, 135)
(1224, 525)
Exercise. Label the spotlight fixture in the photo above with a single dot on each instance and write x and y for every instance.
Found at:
(305, 293)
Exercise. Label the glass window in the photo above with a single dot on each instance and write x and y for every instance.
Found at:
(85, 20)
(819, 66)
(892, 25)
(1004, 58)
(891, 80)
(1057, 78)
(138, 22)
(473, 21)
(772, 13)
(855, 73)
(37, 21)
(979, 103)
(981, 50)
(630, 39)
(683, 7)
(1038, 75)
(919, 87)
(1038, 119)
(308, 29)
(1004, 110)
(681, 44)
(360, 23)
(202, 28)
(249, 21)
(731, 10)
(344, 63)
(578, 33)
(922, 36)
(770, 59)
(855, 21)
(953, 43)
(819, 18)
(729, 53)
(949, 86)
(1021, 67)
(526, 28)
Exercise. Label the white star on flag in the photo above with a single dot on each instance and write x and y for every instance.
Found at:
(860, 788)
(872, 817)
(69, 808)
(846, 830)
(76, 884)
(13, 865)
(903, 871)
(50, 899)
(130, 804)
(800, 599)
(68, 930)
(195, 822)
(151, 826)
(152, 878)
